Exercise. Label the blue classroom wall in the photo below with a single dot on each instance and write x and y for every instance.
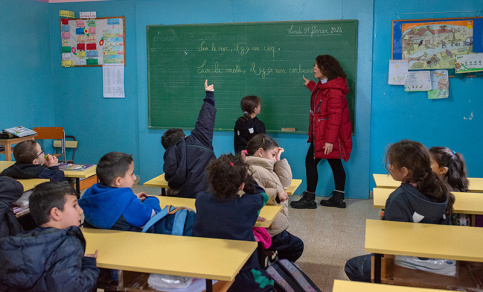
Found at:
(26, 77)
(455, 122)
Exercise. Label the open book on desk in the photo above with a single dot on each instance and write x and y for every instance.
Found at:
(20, 131)
(74, 167)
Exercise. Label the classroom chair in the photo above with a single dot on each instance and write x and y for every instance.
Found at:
(48, 133)
(71, 144)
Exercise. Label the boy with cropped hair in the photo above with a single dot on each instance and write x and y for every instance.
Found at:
(186, 158)
(32, 162)
(111, 203)
(50, 257)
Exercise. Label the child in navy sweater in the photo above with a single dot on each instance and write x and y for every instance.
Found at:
(224, 213)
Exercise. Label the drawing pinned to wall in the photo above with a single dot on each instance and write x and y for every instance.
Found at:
(93, 42)
(432, 45)
(469, 63)
(418, 81)
(397, 72)
(439, 84)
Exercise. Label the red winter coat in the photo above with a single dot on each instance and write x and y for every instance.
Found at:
(329, 119)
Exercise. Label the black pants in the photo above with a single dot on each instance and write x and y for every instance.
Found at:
(359, 268)
(313, 176)
(289, 246)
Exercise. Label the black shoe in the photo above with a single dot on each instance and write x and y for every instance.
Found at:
(306, 202)
(336, 200)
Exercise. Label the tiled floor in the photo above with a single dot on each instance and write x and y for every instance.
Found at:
(331, 236)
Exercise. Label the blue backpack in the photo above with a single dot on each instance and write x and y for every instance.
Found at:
(172, 221)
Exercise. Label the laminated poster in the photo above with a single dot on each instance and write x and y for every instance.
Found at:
(439, 84)
(418, 81)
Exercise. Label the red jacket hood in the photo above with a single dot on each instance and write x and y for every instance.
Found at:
(337, 83)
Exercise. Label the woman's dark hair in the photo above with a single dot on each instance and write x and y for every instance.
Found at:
(456, 174)
(260, 141)
(226, 174)
(248, 105)
(416, 158)
(46, 196)
(330, 67)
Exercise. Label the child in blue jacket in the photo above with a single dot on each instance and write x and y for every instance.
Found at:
(51, 257)
(186, 158)
(111, 204)
(32, 162)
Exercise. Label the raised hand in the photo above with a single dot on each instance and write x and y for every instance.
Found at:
(306, 80)
(209, 87)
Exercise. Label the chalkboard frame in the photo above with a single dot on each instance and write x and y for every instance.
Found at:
(351, 81)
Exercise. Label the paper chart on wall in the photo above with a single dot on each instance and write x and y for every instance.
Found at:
(418, 81)
(469, 63)
(439, 84)
(397, 72)
(113, 80)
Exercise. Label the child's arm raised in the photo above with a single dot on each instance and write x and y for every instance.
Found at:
(206, 119)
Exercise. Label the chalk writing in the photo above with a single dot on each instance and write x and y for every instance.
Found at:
(313, 30)
(239, 48)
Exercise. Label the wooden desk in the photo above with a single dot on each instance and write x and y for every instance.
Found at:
(268, 211)
(209, 258)
(293, 186)
(161, 182)
(422, 240)
(465, 203)
(386, 181)
(28, 184)
(9, 142)
(352, 286)
(90, 172)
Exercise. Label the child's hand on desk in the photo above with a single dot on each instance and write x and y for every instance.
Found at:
(282, 196)
(261, 219)
(142, 196)
(51, 160)
(208, 87)
(91, 255)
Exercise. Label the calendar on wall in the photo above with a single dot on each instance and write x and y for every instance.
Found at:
(93, 42)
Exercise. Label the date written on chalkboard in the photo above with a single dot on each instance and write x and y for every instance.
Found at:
(313, 30)
(238, 48)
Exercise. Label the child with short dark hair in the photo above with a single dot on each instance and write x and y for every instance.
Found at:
(422, 197)
(274, 175)
(224, 213)
(50, 257)
(248, 125)
(32, 162)
(111, 203)
(186, 158)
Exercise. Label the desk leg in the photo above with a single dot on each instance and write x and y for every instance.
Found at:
(163, 191)
(77, 186)
(8, 151)
(209, 285)
(377, 267)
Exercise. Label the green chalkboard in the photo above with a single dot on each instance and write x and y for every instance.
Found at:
(266, 59)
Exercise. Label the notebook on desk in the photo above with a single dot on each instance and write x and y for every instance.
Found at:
(74, 167)
(20, 131)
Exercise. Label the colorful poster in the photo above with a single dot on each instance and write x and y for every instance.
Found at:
(469, 63)
(418, 81)
(433, 45)
(439, 84)
(397, 72)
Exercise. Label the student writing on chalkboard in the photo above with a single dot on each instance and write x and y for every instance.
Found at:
(330, 131)
(248, 125)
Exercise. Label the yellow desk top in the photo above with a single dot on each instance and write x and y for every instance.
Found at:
(210, 258)
(5, 164)
(268, 211)
(293, 186)
(29, 184)
(465, 203)
(81, 174)
(424, 240)
(386, 181)
(351, 286)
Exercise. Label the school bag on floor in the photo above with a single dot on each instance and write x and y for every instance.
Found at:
(172, 221)
(289, 277)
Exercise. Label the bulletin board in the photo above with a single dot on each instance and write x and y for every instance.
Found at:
(267, 59)
(93, 42)
(433, 43)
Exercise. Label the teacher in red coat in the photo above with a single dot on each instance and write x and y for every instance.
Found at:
(330, 129)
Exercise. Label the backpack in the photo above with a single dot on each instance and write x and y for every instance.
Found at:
(289, 277)
(172, 221)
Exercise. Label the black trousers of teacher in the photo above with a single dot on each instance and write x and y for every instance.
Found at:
(313, 176)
